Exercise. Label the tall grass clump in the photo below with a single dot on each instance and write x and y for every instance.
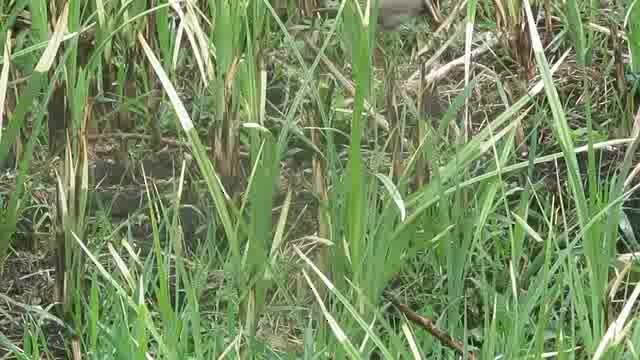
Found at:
(486, 229)
(11, 133)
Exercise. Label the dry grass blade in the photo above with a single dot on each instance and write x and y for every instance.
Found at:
(196, 39)
(617, 329)
(337, 330)
(180, 110)
(49, 55)
(412, 341)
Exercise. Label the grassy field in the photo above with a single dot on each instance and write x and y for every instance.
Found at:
(281, 179)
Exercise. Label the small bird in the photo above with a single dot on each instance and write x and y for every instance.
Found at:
(395, 12)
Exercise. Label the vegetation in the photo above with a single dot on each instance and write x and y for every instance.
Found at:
(280, 179)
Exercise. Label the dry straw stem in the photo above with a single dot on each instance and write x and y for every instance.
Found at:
(596, 27)
(4, 77)
(634, 134)
(436, 74)
(443, 27)
(459, 30)
(604, 30)
(627, 262)
(75, 348)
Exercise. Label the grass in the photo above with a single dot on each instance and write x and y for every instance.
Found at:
(321, 204)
